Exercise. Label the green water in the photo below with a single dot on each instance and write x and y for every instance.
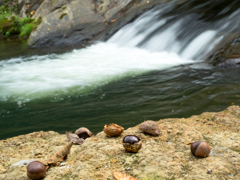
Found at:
(179, 91)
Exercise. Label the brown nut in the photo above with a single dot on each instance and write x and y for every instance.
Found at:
(36, 170)
(113, 130)
(150, 127)
(200, 149)
(83, 133)
(132, 143)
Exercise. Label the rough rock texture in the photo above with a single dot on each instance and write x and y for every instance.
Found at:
(70, 22)
(28, 7)
(228, 54)
(166, 156)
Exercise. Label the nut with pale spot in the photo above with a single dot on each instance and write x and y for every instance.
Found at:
(132, 143)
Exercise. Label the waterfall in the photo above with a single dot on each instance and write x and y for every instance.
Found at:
(188, 33)
(158, 39)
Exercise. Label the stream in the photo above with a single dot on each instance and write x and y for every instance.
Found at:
(153, 68)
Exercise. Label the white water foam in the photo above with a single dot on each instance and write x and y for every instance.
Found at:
(198, 44)
(77, 71)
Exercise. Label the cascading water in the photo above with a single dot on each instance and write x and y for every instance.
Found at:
(157, 40)
(186, 34)
(154, 41)
(23, 79)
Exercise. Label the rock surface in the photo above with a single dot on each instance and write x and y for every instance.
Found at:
(28, 7)
(166, 156)
(228, 55)
(71, 22)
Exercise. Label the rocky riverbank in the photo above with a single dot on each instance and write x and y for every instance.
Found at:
(164, 157)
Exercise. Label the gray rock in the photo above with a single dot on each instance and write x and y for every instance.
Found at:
(28, 6)
(71, 22)
(74, 24)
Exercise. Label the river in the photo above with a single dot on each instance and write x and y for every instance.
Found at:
(152, 68)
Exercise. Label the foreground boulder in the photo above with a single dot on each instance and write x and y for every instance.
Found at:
(167, 156)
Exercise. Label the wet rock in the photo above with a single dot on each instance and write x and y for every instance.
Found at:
(62, 26)
(228, 55)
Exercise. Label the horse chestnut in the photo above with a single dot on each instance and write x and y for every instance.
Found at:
(36, 170)
(132, 143)
(200, 149)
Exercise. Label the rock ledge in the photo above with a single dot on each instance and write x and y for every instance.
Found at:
(163, 157)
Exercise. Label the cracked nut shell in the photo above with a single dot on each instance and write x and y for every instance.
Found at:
(132, 143)
(83, 133)
(113, 130)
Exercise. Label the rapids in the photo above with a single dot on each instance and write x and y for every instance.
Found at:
(150, 69)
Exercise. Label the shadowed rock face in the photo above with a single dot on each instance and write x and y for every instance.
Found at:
(28, 7)
(167, 156)
(228, 55)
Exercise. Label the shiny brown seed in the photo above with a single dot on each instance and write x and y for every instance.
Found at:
(113, 130)
(36, 170)
(200, 149)
(132, 143)
(150, 127)
(83, 133)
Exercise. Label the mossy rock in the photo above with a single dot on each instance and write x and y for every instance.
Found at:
(62, 16)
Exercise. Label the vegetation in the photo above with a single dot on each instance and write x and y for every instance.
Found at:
(12, 24)
(62, 16)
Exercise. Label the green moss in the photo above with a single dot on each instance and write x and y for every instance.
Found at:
(26, 30)
(8, 27)
(63, 8)
(11, 24)
(62, 16)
